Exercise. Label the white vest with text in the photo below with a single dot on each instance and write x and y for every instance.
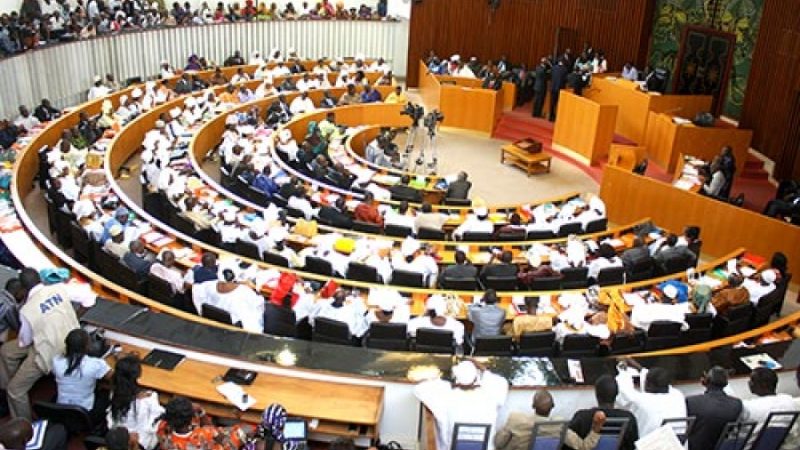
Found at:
(51, 317)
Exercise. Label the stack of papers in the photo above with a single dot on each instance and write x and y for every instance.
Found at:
(236, 395)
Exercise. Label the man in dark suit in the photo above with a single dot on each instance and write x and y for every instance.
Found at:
(461, 269)
(136, 259)
(184, 85)
(606, 390)
(711, 410)
(635, 254)
(559, 81)
(540, 87)
(459, 189)
(402, 191)
(504, 267)
(335, 215)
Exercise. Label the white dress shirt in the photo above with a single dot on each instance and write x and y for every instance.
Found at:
(649, 409)
(757, 290)
(351, 312)
(425, 322)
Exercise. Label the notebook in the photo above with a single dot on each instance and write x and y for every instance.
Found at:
(163, 359)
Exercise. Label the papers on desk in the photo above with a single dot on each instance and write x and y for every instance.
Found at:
(575, 370)
(236, 395)
(760, 360)
(681, 120)
(711, 282)
(633, 299)
(747, 271)
(662, 438)
(153, 236)
(684, 184)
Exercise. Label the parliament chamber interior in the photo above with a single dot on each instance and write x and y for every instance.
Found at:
(400, 224)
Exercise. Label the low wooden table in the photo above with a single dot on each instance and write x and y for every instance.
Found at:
(529, 162)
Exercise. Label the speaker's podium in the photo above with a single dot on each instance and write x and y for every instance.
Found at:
(584, 128)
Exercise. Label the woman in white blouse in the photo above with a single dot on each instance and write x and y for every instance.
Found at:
(132, 407)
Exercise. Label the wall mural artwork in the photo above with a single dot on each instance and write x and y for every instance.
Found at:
(741, 18)
(704, 64)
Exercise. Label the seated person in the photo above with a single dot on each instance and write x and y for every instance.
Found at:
(462, 268)
(501, 264)
(543, 270)
(77, 373)
(402, 217)
(607, 258)
(17, 432)
(761, 285)
(336, 214)
(671, 250)
(459, 189)
(116, 245)
(531, 321)
(402, 191)
(132, 407)
(435, 318)
(339, 308)
(177, 430)
(475, 223)
(637, 253)
(487, 318)
(367, 210)
(137, 259)
(731, 295)
(643, 315)
(429, 219)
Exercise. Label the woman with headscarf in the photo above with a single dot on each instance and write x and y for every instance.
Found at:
(317, 144)
(272, 423)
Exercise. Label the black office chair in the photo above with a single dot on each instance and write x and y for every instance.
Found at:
(682, 426)
(431, 234)
(596, 226)
(357, 271)
(775, 430)
(782, 286)
(663, 334)
(319, 266)
(477, 236)
(458, 284)
(247, 249)
(579, 345)
(764, 309)
(457, 202)
(696, 246)
(574, 277)
(511, 235)
(628, 343)
(408, 279)
(153, 204)
(542, 343)
(331, 331)
(367, 227)
(569, 228)
(641, 269)
(699, 328)
(540, 235)
(211, 312)
(610, 276)
(546, 284)
(736, 320)
(397, 230)
(51, 215)
(279, 321)
(256, 196)
(160, 290)
(430, 340)
(387, 336)
(80, 242)
(675, 265)
(275, 259)
(493, 346)
(612, 433)
(63, 233)
(74, 418)
(180, 223)
(94, 442)
(735, 435)
(294, 212)
(501, 283)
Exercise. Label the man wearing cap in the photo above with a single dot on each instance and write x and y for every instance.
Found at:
(478, 222)
(116, 244)
(474, 396)
(228, 229)
(762, 285)
(302, 103)
(121, 218)
(46, 317)
(712, 410)
(98, 89)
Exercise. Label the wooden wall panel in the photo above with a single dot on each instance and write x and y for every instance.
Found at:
(772, 102)
(525, 30)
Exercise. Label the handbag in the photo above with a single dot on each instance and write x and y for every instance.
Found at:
(307, 228)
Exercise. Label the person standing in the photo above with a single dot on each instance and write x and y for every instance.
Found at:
(559, 81)
(474, 396)
(711, 410)
(540, 87)
(45, 320)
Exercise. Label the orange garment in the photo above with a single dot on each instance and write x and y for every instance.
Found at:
(228, 97)
(206, 437)
(368, 213)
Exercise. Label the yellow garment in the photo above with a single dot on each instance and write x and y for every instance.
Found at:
(394, 98)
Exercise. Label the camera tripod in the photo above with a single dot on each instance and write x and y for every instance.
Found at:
(430, 145)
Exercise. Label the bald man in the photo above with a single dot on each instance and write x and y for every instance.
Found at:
(517, 432)
(17, 432)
